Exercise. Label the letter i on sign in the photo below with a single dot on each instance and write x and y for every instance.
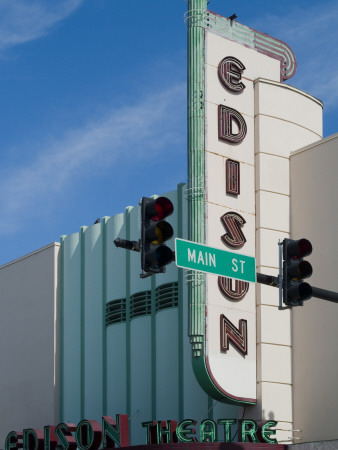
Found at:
(232, 177)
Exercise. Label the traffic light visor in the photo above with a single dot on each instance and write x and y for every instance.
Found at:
(299, 270)
(159, 208)
(298, 293)
(164, 255)
(305, 247)
(159, 256)
(161, 232)
(298, 249)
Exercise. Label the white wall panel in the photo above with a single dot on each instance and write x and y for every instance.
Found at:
(267, 246)
(28, 293)
(116, 333)
(280, 137)
(71, 329)
(274, 211)
(275, 363)
(116, 258)
(93, 322)
(272, 174)
(116, 369)
(273, 326)
(288, 103)
(141, 376)
(167, 369)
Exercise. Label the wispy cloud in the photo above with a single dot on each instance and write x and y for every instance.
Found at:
(312, 34)
(130, 133)
(22, 21)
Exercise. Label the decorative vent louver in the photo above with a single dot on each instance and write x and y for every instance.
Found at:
(140, 304)
(116, 311)
(166, 296)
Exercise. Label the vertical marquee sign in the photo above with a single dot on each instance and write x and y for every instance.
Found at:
(224, 59)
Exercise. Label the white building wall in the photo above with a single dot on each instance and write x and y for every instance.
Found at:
(29, 348)
(314, 215)
(285, 119)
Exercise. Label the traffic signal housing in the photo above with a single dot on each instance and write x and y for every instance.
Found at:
(155, 231)
(295, 269)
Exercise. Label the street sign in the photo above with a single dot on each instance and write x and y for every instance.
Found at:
(194, 256)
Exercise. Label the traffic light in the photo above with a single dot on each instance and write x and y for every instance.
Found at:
(295, 269)
(155, 232)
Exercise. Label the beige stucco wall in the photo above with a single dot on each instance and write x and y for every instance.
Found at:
(29, 380)
(286, 118)
(314, 215)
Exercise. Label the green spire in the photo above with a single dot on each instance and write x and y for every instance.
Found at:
(196, 112)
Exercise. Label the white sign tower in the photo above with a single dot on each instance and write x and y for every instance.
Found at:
(243, 121)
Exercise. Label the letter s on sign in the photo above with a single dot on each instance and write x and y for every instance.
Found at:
(66, 439)
(234, 265)
(234, 236)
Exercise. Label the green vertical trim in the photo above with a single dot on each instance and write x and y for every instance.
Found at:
(62, 328)
(128, 356)
(104, 302)
(196, 166)
(82, 315)
(153, 348)
(180, 217)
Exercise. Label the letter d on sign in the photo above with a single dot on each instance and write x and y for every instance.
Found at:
(226, 118)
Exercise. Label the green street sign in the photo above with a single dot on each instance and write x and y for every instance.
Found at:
(191, 255)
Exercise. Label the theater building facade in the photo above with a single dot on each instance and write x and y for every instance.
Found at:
(108, 357)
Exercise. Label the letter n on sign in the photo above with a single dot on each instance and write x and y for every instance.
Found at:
(238, 336)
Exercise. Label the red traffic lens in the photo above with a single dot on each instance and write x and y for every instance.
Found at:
(297, 249)
(163, 207)
(305, 247)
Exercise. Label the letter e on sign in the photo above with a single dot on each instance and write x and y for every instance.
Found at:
(230, 74)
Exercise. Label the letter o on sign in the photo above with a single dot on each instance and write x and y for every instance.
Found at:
(88, 435)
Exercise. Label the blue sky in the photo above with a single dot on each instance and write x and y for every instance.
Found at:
(93, 102)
